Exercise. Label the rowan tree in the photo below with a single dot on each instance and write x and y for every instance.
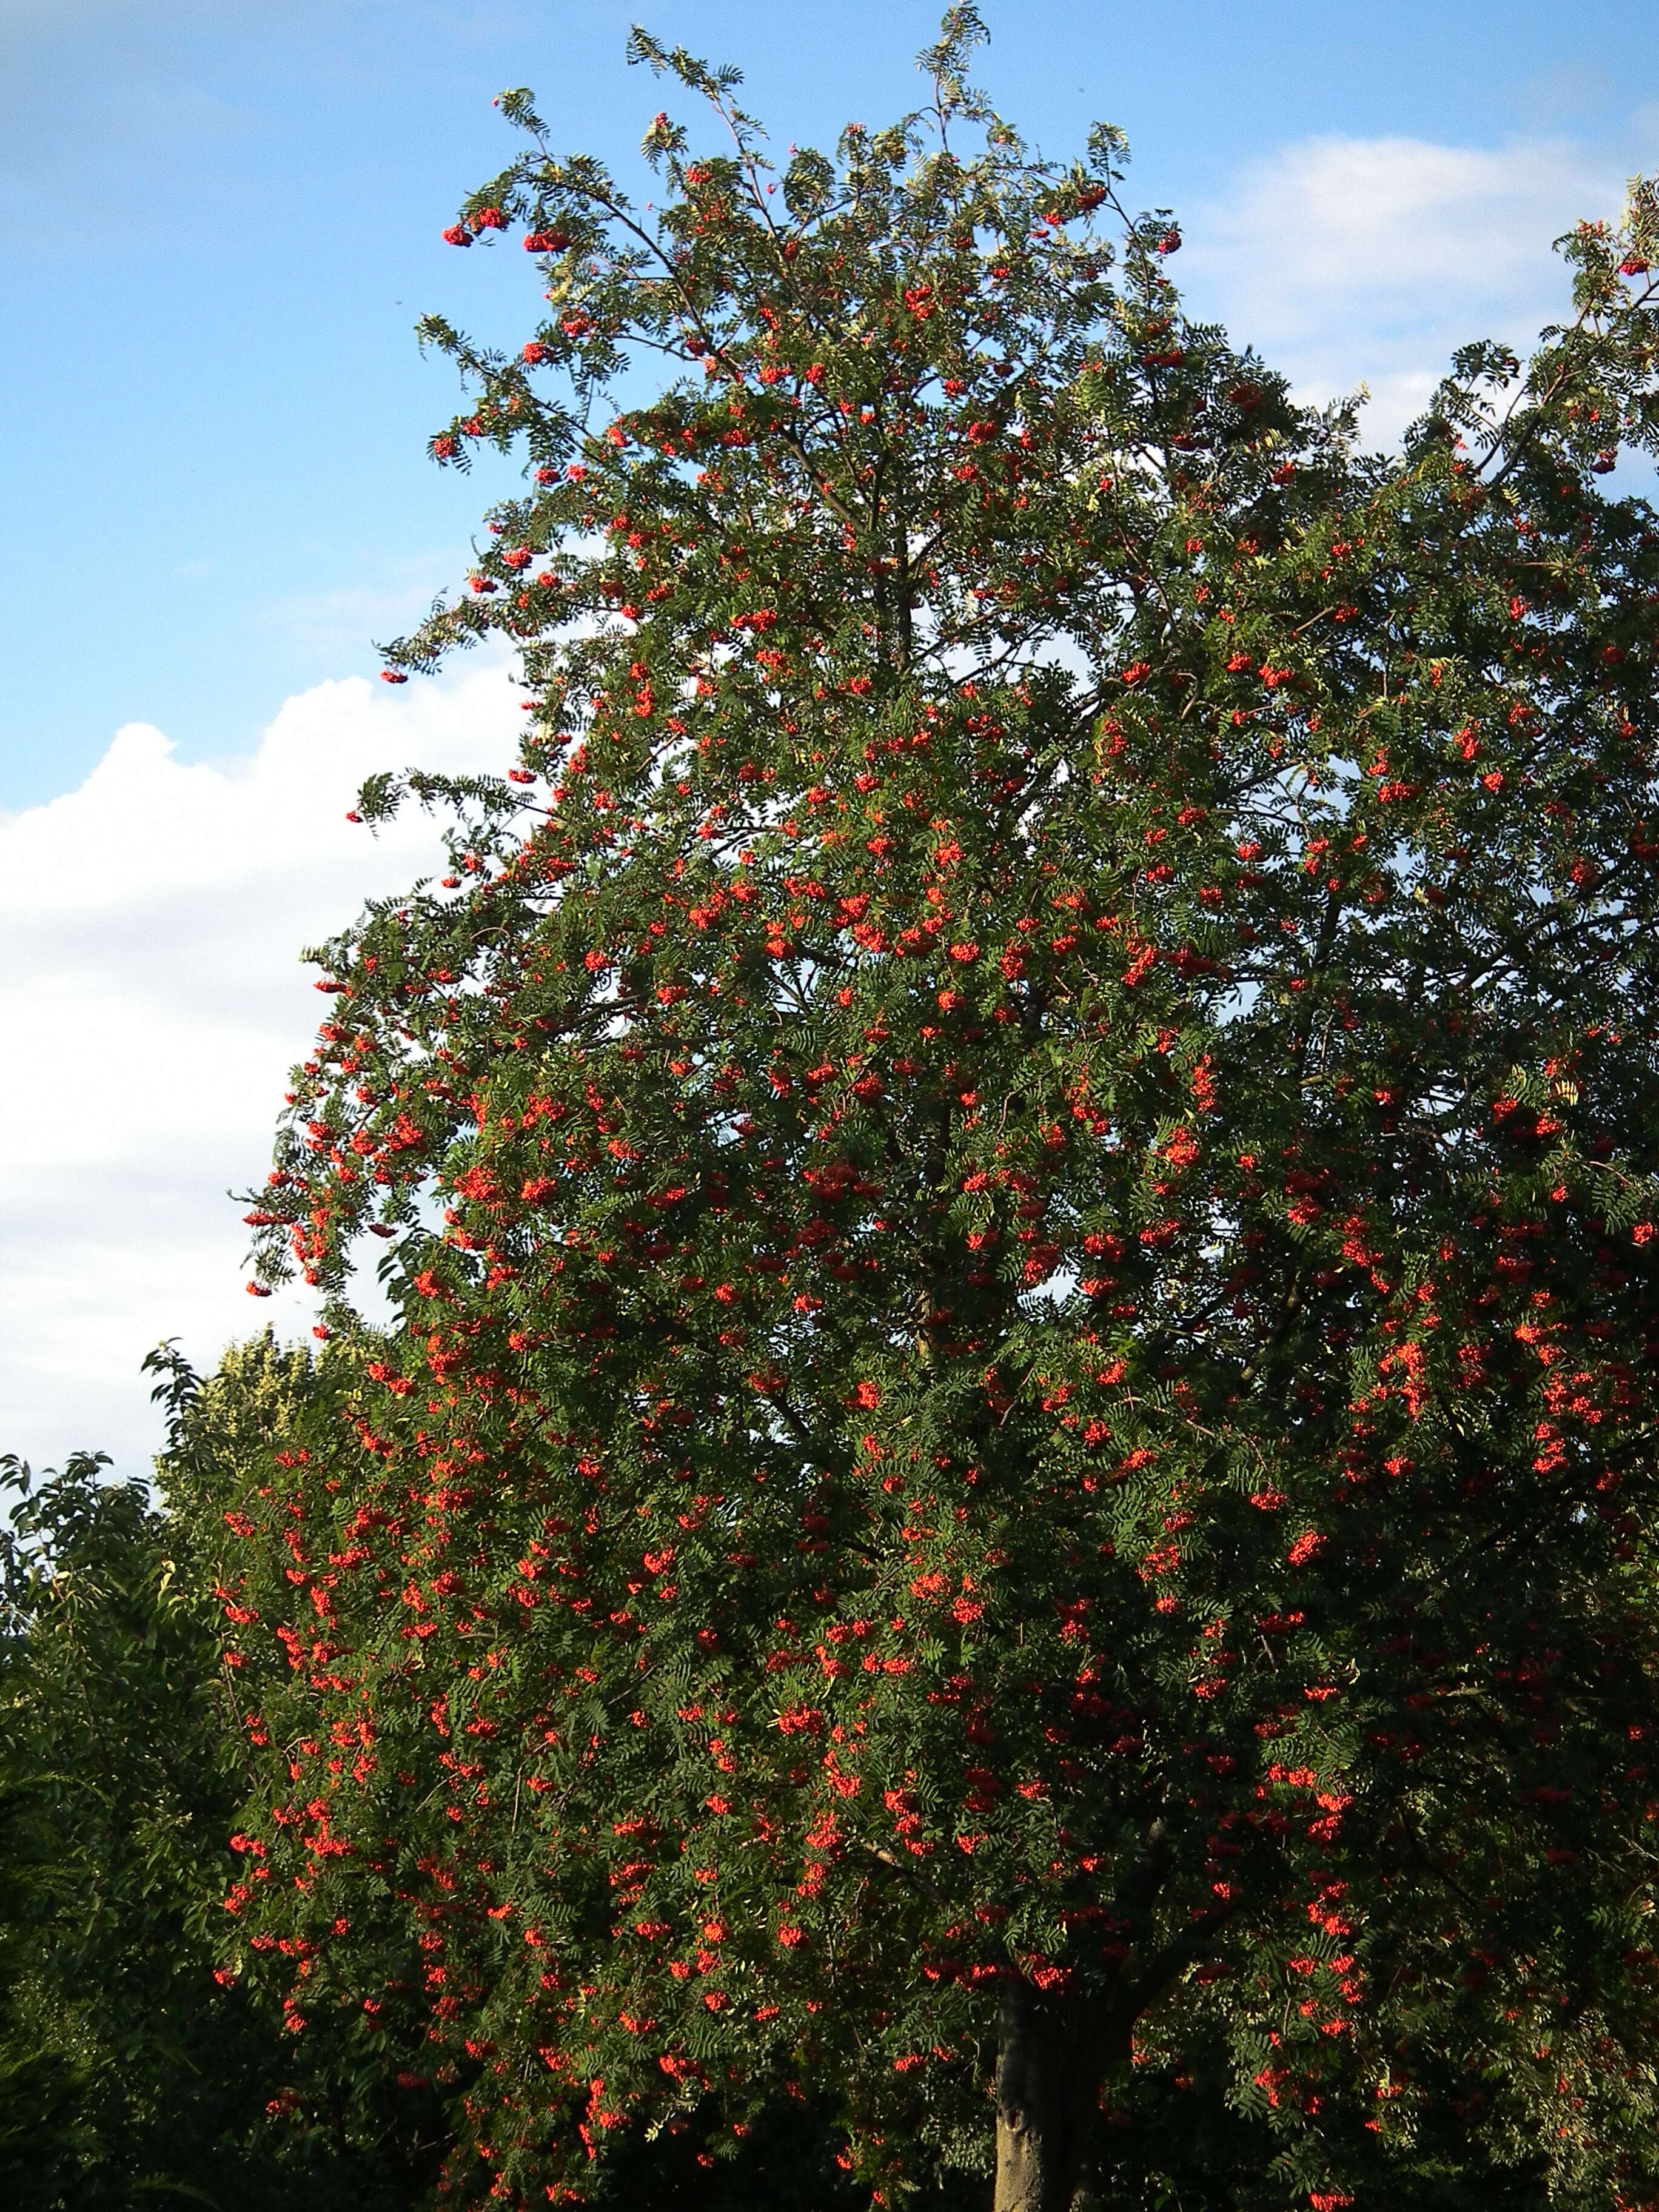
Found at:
(1018, 1160)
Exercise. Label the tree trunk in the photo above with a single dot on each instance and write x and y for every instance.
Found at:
(1047, 2087)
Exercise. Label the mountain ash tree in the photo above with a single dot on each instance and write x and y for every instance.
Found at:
(1017, 1453)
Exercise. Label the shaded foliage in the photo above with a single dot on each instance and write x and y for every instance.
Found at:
(132, 2068)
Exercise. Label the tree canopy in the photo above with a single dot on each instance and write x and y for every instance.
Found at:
(1018, 1161)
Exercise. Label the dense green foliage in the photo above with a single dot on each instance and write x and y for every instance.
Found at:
(137, 2066)
(132, 2069)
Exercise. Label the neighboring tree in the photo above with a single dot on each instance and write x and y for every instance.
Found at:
(132, 2070)
(1024, 1456)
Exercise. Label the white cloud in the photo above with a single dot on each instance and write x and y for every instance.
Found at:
(1351, 260)
(394, 600)
(152, 1001)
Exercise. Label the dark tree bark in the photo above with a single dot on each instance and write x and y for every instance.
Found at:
(1047, 2086)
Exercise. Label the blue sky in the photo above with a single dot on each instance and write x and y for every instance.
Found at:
(219, 218)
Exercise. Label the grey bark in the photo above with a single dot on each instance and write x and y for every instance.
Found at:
(1047, 2087)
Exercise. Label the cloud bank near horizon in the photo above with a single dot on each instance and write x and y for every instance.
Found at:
(153, 1000)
